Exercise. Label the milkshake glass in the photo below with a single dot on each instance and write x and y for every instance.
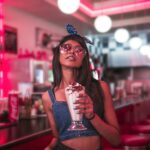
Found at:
(72, 92)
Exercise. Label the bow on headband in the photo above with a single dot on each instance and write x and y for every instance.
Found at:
(72, 30)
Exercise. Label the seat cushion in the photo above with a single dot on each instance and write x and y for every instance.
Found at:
(141, 129)
(146, 121)
(110, 148)
(134, 140)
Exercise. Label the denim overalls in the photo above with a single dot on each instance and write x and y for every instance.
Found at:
(63, 120)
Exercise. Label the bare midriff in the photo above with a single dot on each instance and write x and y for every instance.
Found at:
(84, 143)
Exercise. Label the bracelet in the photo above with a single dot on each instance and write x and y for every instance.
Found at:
(92, 117)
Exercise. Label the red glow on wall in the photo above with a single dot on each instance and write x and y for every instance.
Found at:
(116, 9)
(3, 136)
(3, 63)
(4, 71)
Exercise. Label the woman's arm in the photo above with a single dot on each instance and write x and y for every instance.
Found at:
(109, 128)
(48, 110)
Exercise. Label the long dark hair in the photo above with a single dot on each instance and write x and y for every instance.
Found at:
(84, 74)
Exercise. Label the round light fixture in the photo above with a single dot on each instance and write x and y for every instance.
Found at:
(145, 50)
(103, 23)
(68, 7)
(121, 35)
(135, 42)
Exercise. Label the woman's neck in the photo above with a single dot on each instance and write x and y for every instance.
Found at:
(68, 77)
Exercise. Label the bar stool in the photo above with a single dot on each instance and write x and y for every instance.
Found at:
(146, 121)
(110, 148)
(134, 142)
(130, 142)
(141, 129)
(107, 146)
(127, 117)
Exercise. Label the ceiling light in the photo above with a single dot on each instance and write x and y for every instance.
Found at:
(103, 23)
(68, 6)
(145, 50)
(135, 42)
(121, 35)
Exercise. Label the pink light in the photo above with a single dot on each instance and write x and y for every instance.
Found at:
(1, 92)
(1, 40)
(5, 85)
(128, 7)
(88, 11)
(1, 74)
(6, 71)
(1, 23)
(3, 64)
(1, 55)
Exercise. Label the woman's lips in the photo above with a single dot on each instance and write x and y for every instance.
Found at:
(71, 57)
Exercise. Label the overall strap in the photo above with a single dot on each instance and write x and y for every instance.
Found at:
(51, 94)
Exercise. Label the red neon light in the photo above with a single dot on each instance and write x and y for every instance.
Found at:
(5, 85)
(118, 9)
(2, 62)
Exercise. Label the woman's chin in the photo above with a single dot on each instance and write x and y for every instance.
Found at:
(72, 65)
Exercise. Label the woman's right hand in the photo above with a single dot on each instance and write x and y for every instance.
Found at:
(84, 105)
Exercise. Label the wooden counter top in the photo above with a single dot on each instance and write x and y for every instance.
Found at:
(23, 131)
(28, 129)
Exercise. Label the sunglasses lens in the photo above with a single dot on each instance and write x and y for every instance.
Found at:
(79, 49)
(65, 48)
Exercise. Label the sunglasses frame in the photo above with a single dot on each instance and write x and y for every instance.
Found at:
(65, 50)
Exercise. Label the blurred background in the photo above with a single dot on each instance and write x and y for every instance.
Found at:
(119, 30)
(120, 55)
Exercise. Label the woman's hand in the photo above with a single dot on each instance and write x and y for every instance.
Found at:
(84, 105)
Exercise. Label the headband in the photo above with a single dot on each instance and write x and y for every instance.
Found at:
(72, 30)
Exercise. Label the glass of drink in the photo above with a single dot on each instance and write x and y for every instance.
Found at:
(72, 92)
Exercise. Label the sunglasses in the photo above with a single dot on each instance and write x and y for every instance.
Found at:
(66, 48)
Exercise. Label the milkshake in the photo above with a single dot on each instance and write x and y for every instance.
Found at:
(72, 92)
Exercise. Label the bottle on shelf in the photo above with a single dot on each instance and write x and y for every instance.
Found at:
(28, 103)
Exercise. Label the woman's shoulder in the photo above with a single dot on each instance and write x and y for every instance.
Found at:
(46, 94)
(46, 98)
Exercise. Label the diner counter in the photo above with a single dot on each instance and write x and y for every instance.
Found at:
(23, 131)
(28, 129)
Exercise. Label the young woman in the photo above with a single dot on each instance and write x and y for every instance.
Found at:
(71, 64)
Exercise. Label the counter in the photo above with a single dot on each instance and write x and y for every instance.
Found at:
(24, 131)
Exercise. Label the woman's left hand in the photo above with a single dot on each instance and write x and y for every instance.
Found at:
(84, 105)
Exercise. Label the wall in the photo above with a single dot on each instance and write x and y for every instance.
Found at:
(117, 54)
(127, 58)
(142, 73)
(26, 24)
